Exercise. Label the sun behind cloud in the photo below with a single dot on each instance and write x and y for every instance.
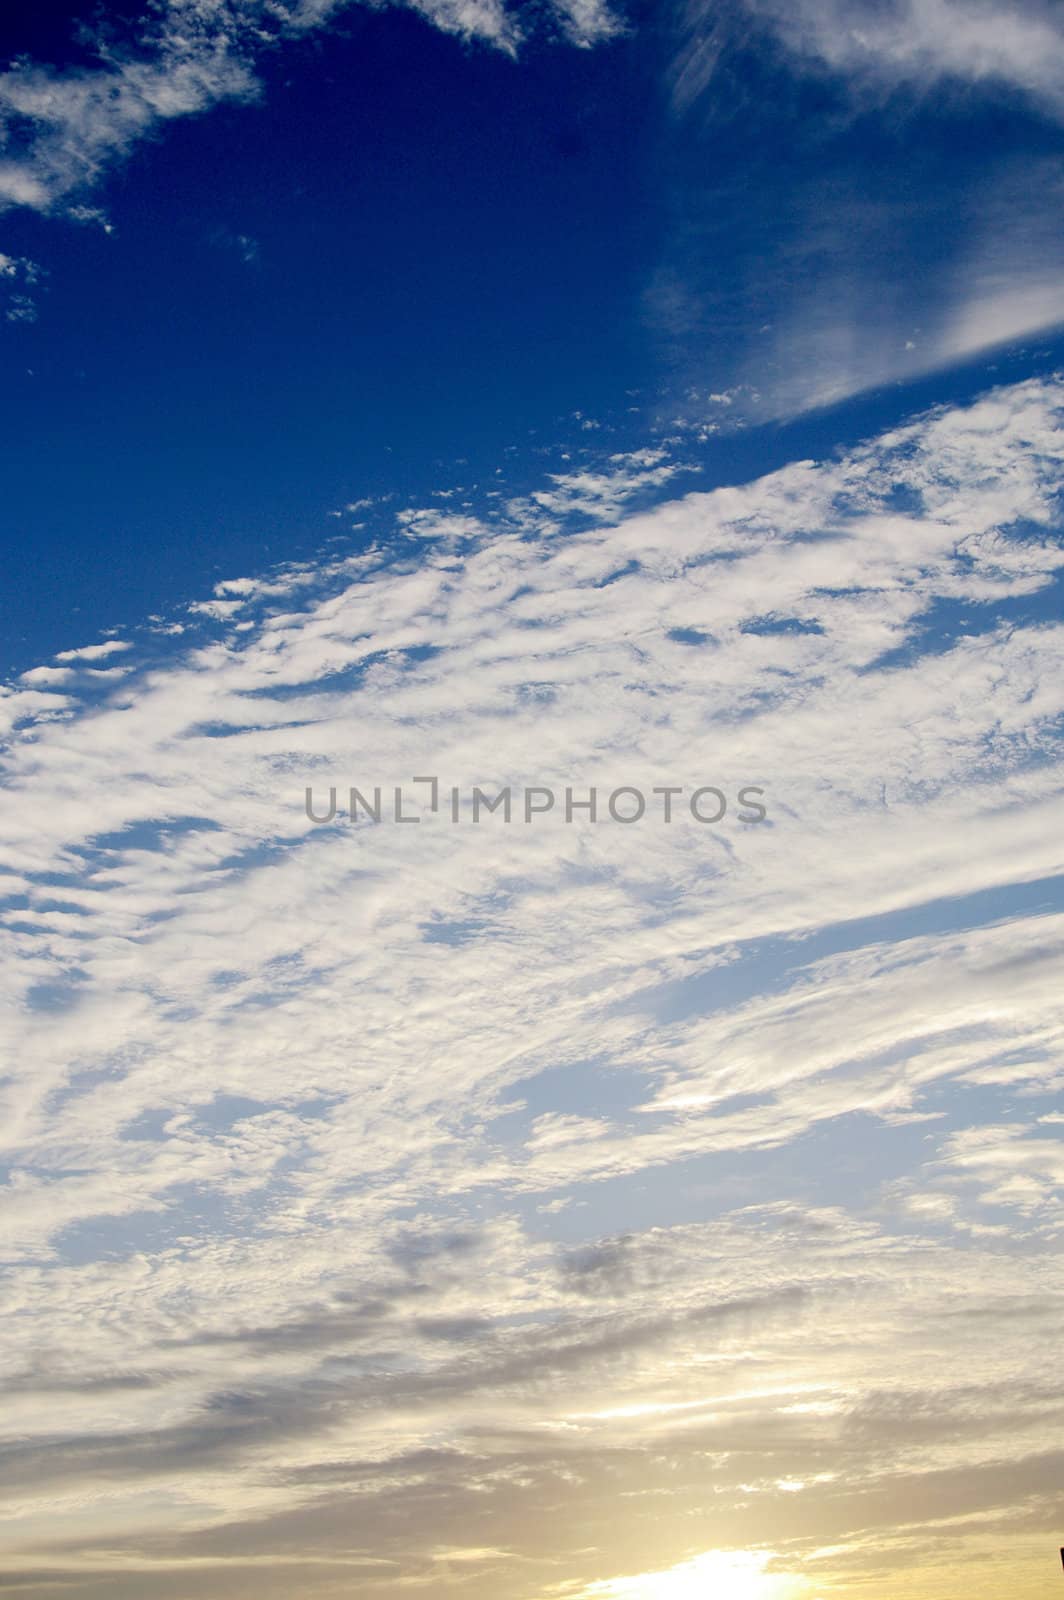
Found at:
(716, 1575)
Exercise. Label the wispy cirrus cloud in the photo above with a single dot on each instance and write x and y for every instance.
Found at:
(876, 248)
(842, 325)
(879, 47)
(418, 1172)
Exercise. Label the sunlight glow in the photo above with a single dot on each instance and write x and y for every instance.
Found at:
(717, 1575)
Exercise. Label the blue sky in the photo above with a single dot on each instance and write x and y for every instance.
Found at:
(539, 399)
(411, 250)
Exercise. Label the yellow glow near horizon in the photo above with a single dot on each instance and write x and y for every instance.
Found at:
(717, 1575)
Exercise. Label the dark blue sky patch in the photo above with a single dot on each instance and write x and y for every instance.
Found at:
(947, 622)
(56, 995)
(454, 931)
(691, 636)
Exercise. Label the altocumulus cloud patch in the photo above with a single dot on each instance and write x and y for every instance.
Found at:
(319, 1273)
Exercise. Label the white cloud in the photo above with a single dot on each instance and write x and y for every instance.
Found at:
(47, 675)
(95, 652)
(18, 274)
(588, 22)
(879, 46)
(1001, 315)
(601, 492)
(512, 1173)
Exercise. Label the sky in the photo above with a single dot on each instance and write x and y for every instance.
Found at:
(530, 843)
